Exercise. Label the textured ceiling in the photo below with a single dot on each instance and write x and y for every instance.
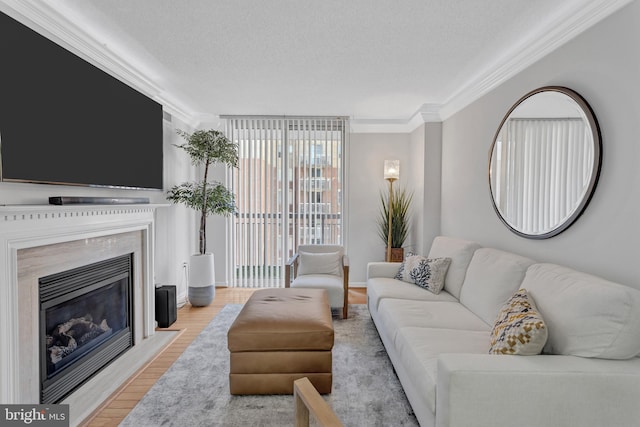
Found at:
(368, 59)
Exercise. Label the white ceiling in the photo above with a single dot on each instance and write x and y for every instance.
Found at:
(377, 61)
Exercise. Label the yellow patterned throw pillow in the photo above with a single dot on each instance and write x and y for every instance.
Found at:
(519, 327)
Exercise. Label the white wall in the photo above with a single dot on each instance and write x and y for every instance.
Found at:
(419, 153)
(602, 65)
(367, 153)
(176, 233)
(428, 209)
(174, 226)
(416, 172)
(216, 229)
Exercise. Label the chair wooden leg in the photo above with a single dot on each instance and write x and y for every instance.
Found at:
(345, 287)
(345, 305)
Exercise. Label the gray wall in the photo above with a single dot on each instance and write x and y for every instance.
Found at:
(432, 164)
(602, 65)
(419, 153)
(365, 167)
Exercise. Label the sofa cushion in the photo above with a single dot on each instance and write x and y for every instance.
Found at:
(379, 288)
(418, 350)
(394, 314)
(492, 277)
(586, 316)
(320, 263)
(460, 251)
(333, 284)
(428, 273)
(519, 328)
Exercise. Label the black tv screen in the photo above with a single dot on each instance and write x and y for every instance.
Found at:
(65, 121)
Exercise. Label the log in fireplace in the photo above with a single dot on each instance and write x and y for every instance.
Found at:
(86, 322)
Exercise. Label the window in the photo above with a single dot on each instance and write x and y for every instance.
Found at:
(288, 188)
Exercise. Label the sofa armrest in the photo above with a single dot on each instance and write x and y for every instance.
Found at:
(483, 390)
(382, 269)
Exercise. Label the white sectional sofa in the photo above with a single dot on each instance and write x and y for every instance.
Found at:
(587, 375)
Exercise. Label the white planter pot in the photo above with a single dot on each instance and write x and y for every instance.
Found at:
(201, 280)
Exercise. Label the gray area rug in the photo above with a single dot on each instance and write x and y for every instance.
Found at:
(195, 389)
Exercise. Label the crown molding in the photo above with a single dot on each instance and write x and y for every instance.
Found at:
(547, 38)
(379, 126)
(49, 22)
(427, 113)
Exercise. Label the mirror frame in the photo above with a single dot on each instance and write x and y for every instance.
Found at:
(595, 171)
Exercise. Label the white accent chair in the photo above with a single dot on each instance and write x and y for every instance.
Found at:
(321, 267)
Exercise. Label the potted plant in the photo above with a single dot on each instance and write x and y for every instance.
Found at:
(205, 147)
(400, 204)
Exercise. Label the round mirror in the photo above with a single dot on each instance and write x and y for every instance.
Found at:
(544, 162)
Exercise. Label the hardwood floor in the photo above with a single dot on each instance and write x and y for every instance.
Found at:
(191, 321)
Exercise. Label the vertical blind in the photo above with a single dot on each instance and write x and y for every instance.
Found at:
(289, 191)
(544, 167)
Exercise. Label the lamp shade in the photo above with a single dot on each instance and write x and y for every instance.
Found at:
(391, 169)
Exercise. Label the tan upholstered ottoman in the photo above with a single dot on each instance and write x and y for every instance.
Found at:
(279, 336)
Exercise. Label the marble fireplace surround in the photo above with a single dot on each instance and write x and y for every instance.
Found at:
(39, 240)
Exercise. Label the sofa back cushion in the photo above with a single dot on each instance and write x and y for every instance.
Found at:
(586, 316)
(492, 278)
(460, 251)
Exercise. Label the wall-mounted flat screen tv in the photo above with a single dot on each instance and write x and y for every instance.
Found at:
(65, 121)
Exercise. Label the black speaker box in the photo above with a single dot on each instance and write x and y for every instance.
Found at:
(166, 307)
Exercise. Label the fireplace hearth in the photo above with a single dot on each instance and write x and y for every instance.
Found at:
(85, 323)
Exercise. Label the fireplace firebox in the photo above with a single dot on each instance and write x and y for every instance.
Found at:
(86, 322)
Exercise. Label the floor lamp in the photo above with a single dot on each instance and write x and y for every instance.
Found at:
(391, 173)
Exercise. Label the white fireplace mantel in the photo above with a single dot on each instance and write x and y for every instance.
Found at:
(32, 226)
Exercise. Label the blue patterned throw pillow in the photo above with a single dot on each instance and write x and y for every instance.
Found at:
(428, 273)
